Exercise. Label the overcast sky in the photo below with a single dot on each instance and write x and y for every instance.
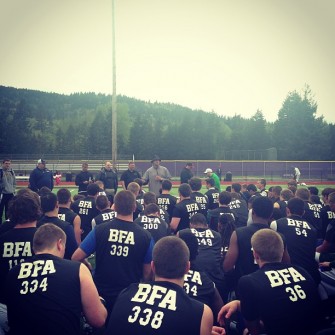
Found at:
(230, 57)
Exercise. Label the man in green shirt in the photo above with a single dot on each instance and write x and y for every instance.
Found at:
(216, 179)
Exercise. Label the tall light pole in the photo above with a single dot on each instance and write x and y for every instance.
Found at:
(114, 102)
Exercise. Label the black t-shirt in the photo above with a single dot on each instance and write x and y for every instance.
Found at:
(121, 248)
(43, 297)
(330, 235)
(66, 214)
(300, 237)
(185, 175)
(80, 178)
(71, 243)
(240, 208)
(214, 215)
(105, 215)
(245, 263)
(213, 198)
(283, 296)
(87, 211)
(167, 202)
(209, 257)
(129, 176)
(16, 246)
(157, 227)
(185, 210)
(155, 308)
(312, 216)
(199, 286)
(327, 215)
(202, 200)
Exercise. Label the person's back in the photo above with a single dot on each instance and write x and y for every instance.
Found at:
(44, 295)
(300, 237)
(86, 208)
(161, 307)
(197, 196)
(165, 200)
(282, 296)
(212, 194)
(16, 244)
(152, 222)
(123, 250)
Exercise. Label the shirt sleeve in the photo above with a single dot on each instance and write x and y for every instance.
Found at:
(89, 243)
(148, 255)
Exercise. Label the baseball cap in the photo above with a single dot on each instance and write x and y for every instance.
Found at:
(208, 170)
(41, 161)
(155, 158)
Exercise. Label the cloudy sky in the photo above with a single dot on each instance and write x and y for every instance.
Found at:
(230, 57)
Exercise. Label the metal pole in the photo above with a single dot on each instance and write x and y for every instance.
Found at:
(114, 102)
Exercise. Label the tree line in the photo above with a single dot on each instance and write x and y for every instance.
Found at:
(34, 122)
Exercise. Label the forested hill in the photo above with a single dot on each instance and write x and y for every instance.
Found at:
(34, 122)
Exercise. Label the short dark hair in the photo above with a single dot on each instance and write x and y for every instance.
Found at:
(195, 184)
(24, 208)
(166, 185)
(124, 202)
(198, 219)
(189, 164)
(46, 236)
(262, 181)
(262, 207)
(276, 190)
(6, 160)
(286, 194)
(252, 187)
(102, 202)
(44, 190)
(236, 187)
(303, 193)
(149, 198)
(326, 191)
(224, 198)
(170, 256)
(191, 241)
(63, 196)
(185, 190)
(93, 189)
(313, 190)
(48, 202)
(151, 209)
(210, 181)
(296, 206)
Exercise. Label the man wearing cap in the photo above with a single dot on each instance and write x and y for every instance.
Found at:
(186, 173)
(155, 175)
(41, 176)
(216, 179)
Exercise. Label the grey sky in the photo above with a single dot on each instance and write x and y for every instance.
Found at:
(232, 57)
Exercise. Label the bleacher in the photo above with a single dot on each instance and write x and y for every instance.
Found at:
(23, 168)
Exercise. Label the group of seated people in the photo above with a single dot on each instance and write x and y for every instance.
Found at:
(247, 258)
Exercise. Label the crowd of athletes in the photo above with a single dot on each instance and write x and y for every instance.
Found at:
(250, 259)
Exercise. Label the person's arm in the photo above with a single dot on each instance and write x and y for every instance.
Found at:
(324, 247)
(232, 253)
(216, 302)
(94, 311)
(228, 310)
(174, 223)
(206, 321)
(123, 184)
(147, 273)
(32, 181)
(146, 269)
(77, 229)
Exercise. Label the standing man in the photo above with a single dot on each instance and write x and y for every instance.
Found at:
(161, 306)
(83, 178)
(261, 184)
(212, 175)
(155, 175)
(47, 294)
(186, 173)
(108, 175)
(7, 186)
(41, 176)
(123, 250)
(296, 174)
(129, 175)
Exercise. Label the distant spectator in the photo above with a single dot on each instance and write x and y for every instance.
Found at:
(7, 186)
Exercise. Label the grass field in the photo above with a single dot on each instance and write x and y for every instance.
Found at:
(283, 183)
